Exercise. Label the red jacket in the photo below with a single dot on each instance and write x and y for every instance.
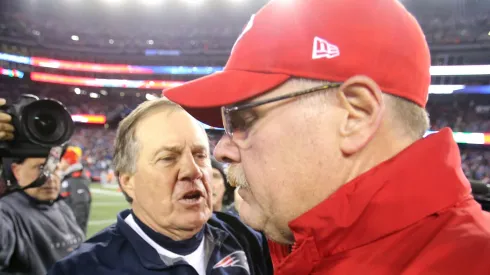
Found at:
(413, 214)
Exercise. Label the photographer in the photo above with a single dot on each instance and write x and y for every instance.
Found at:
(36, 228)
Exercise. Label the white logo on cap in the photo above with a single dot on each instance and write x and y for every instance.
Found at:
(245, 30)
(323, 49)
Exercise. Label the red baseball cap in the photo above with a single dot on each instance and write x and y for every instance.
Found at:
(72, 154)
(328, 40)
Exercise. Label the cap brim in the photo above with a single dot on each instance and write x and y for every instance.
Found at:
(203, 97)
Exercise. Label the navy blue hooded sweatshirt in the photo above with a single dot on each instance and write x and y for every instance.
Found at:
(233, 248)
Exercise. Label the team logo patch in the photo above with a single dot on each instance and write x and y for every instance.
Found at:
(235, 259)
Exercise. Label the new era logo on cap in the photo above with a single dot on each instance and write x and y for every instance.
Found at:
(323, 49)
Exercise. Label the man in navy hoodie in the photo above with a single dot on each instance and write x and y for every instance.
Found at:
(163, 165)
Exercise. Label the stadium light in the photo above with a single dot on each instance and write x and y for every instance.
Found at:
(151, 2)
(195, 1)
(150, 97)
(150, 42)
(460, 70)
(111, 41)
(75, 38)
(94, 95)
(444, 89)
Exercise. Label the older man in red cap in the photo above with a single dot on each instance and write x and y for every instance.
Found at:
(323, 106)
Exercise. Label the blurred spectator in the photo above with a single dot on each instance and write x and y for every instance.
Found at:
(75, 186)
(222, 190)
(476, 164)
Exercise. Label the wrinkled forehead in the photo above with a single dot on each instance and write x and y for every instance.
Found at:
(170, 129)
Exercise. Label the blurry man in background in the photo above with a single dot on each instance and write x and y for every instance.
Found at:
(323, 105)
(233, 208)
(75, 186)
(36, 228)
(161, 157)
(222, 191)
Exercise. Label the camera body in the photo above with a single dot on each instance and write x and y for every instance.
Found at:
(42, 129)
(40, 124)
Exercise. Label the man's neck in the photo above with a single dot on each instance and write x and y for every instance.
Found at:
(184, 247)
(379, 151)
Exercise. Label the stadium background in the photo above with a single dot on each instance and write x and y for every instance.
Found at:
(103, 57)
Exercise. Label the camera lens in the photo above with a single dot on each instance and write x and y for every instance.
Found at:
(45, 124)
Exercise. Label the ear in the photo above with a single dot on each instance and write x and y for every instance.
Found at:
(15, 167)
(127, 184)
(362, 100)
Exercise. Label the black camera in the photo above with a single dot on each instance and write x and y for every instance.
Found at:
(40, 124)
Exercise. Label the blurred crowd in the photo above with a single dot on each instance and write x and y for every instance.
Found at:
(44, 25)
(476, 164)
(78, 102)
(96, 144)
(463, 113)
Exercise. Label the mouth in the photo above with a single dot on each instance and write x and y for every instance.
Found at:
(192, 197)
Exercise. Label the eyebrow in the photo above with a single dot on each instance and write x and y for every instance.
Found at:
(179, 149)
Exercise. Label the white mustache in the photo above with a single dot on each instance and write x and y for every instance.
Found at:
(236, 177)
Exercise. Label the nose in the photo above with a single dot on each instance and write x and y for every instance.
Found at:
(226, 150)
(189, 170)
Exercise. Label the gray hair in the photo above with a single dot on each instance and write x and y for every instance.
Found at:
(126, 146)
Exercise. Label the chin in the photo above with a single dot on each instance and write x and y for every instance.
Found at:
(196, 218)
(252, 218)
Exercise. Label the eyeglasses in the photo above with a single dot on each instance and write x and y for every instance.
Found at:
(235, 124)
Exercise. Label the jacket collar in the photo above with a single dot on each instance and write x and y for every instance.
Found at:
(420, 181)
(147, 255)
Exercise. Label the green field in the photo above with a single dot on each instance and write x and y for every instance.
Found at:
(106, 203)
